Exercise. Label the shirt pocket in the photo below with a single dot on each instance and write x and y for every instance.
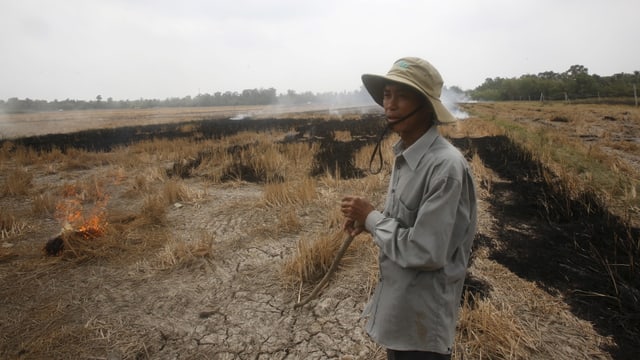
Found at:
(410, 190)
(407, 214)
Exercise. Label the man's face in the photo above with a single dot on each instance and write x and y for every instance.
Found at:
(400, 100)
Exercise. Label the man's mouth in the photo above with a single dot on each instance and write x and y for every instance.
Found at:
(393, 119)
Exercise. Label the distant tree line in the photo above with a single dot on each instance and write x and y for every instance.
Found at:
(575, 83)
(246, 97)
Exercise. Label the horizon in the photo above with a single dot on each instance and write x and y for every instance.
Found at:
(284, 93)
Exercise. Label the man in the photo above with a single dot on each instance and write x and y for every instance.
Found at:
(425, 231)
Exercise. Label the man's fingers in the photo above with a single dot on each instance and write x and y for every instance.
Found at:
(356, 231)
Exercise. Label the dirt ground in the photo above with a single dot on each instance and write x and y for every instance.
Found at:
(232, 303)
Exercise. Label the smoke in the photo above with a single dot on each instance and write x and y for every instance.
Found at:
(450, 98)
(241, 116)
(346, 102)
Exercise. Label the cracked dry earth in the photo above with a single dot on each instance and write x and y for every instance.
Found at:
(238, 309)
(235, 305)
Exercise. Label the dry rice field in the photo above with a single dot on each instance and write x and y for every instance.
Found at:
(191, 236)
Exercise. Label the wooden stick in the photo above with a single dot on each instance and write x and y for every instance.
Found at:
(334, 265)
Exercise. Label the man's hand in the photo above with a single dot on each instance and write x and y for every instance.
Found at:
(355, 209)
(352, 228)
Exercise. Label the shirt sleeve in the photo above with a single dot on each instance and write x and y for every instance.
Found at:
(425, 244)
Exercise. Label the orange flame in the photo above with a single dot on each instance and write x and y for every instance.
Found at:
(71, 213)
(94, 227)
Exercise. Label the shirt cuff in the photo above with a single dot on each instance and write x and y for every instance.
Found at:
(372, 219)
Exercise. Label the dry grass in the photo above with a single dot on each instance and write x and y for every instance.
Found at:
(214, 167)
(312, 259)
(138, 229)
(144, 180)
(179, 253)
(49, 327)
(289, 221)
(110, 237)
(6, 151)
(362, 156)
(25, 156)
(288, 193)
(265, 158)
(299, 157)
(472, 128)
(54, 155)
(256, 157)
(43, 204)
(17, 182)
(333, 217)
(491, 331)
(93, 189)
(569, 147)
(154, 210)
(175, 191)
(10, 226)
(483, 175)
(342, 135)
(519, 320)
(80, 246)
(82, 160)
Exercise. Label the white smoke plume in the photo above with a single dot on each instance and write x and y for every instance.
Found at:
(450, 98)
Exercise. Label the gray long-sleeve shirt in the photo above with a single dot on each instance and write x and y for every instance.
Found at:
(424, 235)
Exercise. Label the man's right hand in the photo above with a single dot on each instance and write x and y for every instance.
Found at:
(353, 228)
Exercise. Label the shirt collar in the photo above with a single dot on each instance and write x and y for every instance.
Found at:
(418, 149)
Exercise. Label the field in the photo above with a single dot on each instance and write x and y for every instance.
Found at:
(181, 234)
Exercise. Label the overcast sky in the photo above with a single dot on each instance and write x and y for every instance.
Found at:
(131, 49)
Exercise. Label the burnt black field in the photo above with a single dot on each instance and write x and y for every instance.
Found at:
(102, 140)
(334, 156)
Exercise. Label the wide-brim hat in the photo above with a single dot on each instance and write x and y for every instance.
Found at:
(417, 73)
